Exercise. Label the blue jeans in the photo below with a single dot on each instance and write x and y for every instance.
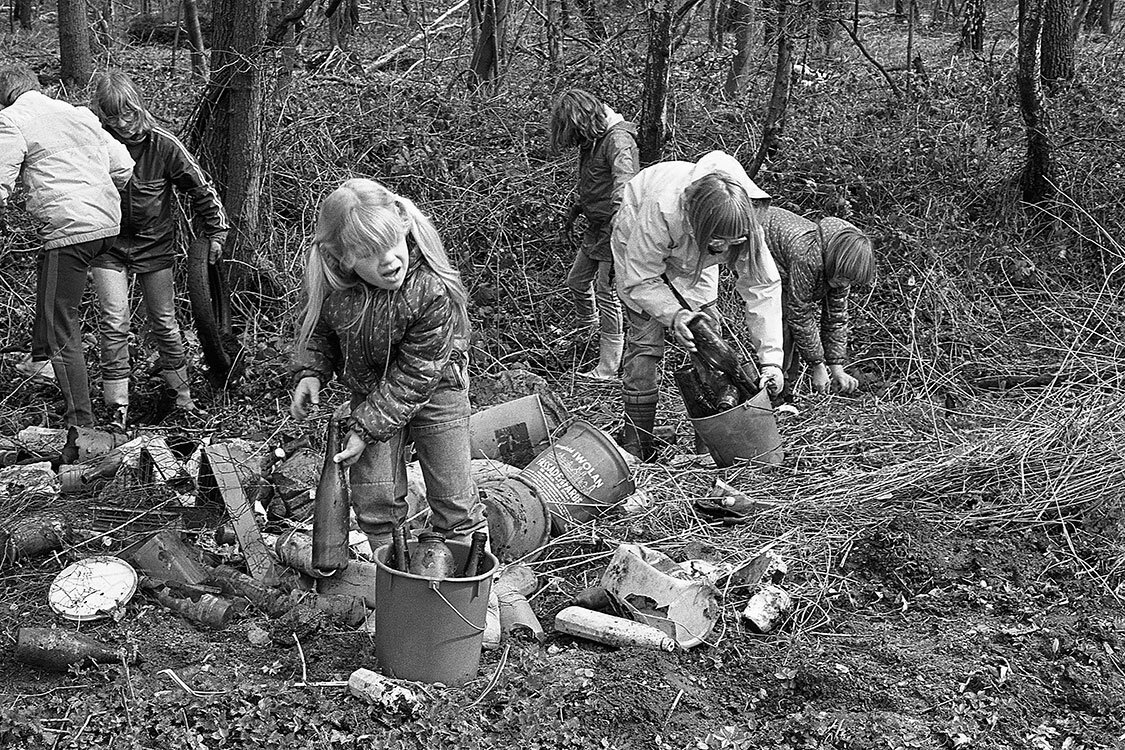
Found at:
(112, 286)
(591, 285)
(440, 433)
(644, 351)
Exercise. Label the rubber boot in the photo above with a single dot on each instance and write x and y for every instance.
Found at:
(115, 393)
(610, 347)
(637, 437)
(177, 381)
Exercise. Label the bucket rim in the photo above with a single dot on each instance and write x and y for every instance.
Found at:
(629, 479)
(380, 565)
(747, 405)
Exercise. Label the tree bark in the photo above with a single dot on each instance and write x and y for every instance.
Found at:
(554, 36)
(1105, 17)
(654, 98)
(76, 61)
(23, 13)
(195, 39)
(742, 22)
(1035, 181)
(779, 98)
(343, 19)
(228, 131)
(972, 32)
(489, 18)
(1056, 44)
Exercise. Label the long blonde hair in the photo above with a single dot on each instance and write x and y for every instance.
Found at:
(117, 95)
(578, 117)
(356, 217)
(848, 252)
(717, 206)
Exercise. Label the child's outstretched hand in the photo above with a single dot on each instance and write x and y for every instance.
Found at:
(842, 382)
(214, 252)
(353, 449)
(820, 378)
(307, 393)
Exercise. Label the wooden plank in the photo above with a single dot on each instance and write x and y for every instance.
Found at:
(221, 471)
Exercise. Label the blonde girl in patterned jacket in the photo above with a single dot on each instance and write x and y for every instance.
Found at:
(386, 314)
(818, 266)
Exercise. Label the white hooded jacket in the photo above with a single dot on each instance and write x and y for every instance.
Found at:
(652, 238)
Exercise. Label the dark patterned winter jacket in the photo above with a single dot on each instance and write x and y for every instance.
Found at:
(604, 166)
(797, 249)
(391, 349)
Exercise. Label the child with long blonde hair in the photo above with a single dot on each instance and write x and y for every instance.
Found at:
(607, 159)
(678, 223)
(386, 315)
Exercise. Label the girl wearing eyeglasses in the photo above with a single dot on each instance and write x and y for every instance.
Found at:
(678, 222)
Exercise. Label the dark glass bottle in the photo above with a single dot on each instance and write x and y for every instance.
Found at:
(713, 349)
(431, 558)
(399, 559)
(330, 511)
(475, 561)
(697, 400)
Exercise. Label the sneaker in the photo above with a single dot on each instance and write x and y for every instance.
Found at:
(39, 372)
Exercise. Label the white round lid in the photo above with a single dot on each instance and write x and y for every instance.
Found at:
(92, 588)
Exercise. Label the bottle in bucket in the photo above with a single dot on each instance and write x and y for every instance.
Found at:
(431, 557)
(400, 552)
(330, 512)
(476, 555)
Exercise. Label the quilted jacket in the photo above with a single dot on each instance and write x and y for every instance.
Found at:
(796, 246)
(604, 166)
(391, 349)
(71, 168)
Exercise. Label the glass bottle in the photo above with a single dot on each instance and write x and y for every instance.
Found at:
(431, 558)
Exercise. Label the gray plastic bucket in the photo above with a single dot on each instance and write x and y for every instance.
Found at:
(746, 432)
(427, 630)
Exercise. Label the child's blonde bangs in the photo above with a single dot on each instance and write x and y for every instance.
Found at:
(851, 256)
(116, 95)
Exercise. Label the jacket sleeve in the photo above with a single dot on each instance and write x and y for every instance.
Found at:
(642, 265)
(13, 149)
(834, 328)
(802, 304)
(120, 163)
(624, 165)
(321, 356)
(189, 178)
(759, 284)
(414, 374)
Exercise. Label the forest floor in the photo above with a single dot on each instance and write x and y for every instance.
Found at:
(954, 550)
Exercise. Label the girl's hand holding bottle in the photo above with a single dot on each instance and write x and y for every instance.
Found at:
(306, 394)
(353, 449)
(772, 380)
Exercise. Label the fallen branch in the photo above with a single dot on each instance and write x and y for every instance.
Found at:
(872, 60)
(388, 57)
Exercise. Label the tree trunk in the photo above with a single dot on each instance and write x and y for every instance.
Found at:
(829, 13)
(228, 131)
(1035, 181)
(1106, 16)
(195, 39)
(343, 19)
(779, 98)
(1056, 45)
(742, 22)
(489, 17)
(554, 36)
(972, 32)
(77, 64)
(654, 99)
(595, 27)
(23, 13)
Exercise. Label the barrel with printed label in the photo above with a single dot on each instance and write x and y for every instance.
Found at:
(580, 475)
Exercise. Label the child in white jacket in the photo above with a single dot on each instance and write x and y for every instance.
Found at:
(679, 222)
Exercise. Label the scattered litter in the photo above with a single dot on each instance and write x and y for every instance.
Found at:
(59, 650)
(610, 630)
(375, 688)
(164, 556)
(35, 482)
(656, 591)
(32, 536)
(92, 588)
(768, 607)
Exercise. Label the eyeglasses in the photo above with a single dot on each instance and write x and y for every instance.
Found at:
(123, 118)
(719, 245)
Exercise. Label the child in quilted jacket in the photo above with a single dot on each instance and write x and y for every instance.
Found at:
(607, 159)
(386, 315)
(818, 264)
(146, 245)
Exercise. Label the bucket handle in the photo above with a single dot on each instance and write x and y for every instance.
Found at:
(434, 586)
